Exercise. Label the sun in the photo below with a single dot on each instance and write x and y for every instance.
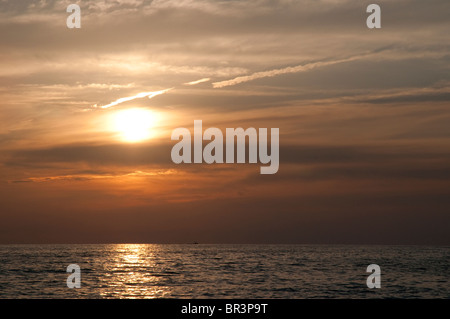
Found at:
(134, 125)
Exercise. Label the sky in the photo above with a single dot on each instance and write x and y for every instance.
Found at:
(363, 116)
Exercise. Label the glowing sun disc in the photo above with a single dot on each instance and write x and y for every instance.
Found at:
(134, 125)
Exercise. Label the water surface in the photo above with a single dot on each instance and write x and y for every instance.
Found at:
(223, 271)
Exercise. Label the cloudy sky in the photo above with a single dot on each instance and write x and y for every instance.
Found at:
(363, 117)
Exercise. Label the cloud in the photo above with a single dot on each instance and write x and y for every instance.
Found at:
(198, 81)
(159, 154)
(275, 72)
(130, 98)
(98, 176)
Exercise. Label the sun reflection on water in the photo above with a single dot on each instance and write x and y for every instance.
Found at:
(133, 272)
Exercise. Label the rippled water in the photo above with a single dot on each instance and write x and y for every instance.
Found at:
(223, 271)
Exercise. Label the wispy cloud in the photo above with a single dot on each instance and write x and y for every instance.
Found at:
(275, 72)
(130, 98)
(198, 81)
(87, 177)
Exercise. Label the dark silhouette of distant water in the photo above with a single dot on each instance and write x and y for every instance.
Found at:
(223, 271)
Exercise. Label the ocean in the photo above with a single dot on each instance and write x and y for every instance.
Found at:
(223, 271)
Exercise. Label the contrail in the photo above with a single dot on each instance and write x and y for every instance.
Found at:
(198, 81)
(137, 96)
(247, 78)
(291, 69)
